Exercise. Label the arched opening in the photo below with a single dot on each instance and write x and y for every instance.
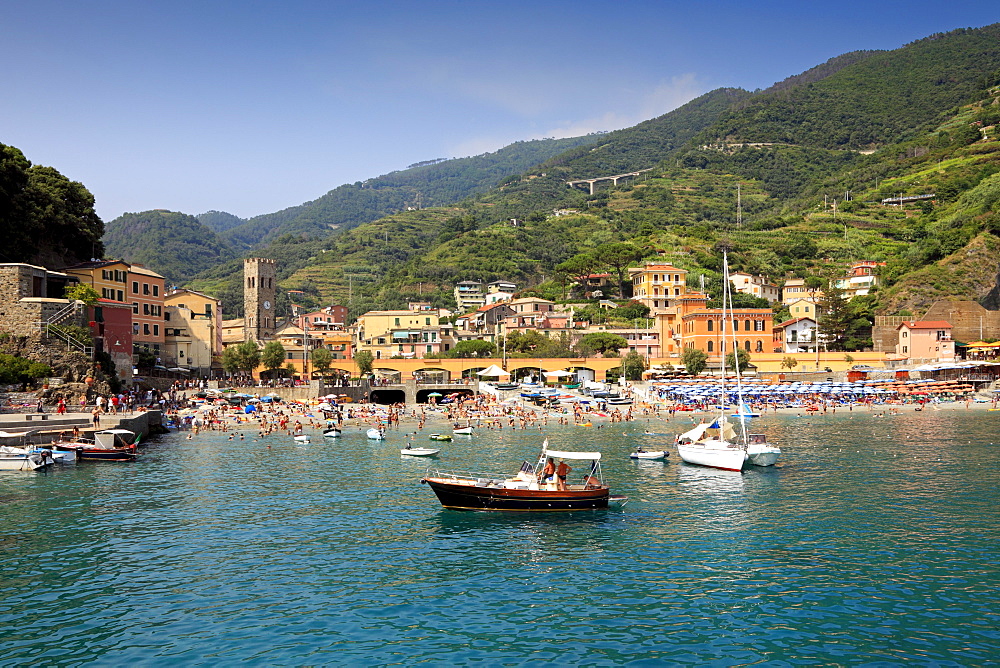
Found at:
(386, 397)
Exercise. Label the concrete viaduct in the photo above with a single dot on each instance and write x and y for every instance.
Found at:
(589, 183)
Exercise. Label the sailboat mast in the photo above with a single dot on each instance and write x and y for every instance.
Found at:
(728, 297)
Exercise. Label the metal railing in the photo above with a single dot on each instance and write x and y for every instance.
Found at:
(50, 327)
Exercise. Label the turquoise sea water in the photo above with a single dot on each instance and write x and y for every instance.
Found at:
(875, 540)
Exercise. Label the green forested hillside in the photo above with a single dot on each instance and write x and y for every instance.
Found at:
(219, 221)
(879, 99)
(435, 184)
(931, 249)
(810, 205)
(173, 244)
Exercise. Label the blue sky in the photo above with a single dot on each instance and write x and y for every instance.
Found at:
(251, 107)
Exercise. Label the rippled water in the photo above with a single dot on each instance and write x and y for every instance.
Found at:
(874, 541)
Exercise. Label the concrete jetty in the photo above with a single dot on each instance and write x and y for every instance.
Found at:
(46, 427)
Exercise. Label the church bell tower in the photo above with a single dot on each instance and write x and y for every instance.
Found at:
(259, 288)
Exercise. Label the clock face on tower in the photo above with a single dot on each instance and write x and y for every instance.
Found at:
(267, 304)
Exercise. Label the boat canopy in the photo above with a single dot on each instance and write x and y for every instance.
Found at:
(563, 454)
(696, 433)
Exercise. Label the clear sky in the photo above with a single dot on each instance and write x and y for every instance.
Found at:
(251, 107)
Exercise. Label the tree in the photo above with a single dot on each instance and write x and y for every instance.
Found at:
(742, 356)
(631, 311)
(322, 358)
(231, 360)
(618, 256)
(241, 358)
(837, 319)
(273, 356)
(633, 364)
(365, 361)
(82, 292)
(694, 360)
(789, 363)
(474, 348)
(606, 343)
(15, 369)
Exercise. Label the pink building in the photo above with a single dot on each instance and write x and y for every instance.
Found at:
(925, 340)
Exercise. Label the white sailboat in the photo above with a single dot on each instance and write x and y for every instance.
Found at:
(717, 444)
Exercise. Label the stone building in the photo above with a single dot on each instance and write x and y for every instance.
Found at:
(260, 285)
(30, 295)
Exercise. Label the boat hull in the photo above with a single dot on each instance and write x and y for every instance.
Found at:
(465, 495)
(714, 454)
(331, 433)
(98, 454)
(32, 462)
(763, 455)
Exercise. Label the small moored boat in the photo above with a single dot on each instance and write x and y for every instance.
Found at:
(376, 434)
(641, 453)
(332, 432)
(418, 452)
(440, 437)
(110, 445)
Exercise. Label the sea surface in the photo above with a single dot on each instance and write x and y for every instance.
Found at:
(876, 540)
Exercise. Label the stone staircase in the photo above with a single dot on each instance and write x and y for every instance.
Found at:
(50, 328)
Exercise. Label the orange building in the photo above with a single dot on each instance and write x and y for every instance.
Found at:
(706, 330)
(669, 321)
(146, 293)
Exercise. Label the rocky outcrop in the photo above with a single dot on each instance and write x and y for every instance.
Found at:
(71, 367)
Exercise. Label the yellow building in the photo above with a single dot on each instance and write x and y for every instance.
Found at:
(655, 283)
(402, 333)
(192, 331)
(802, 308)
(108, 277)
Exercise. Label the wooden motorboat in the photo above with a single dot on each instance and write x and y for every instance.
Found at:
(530, 490)
(463, 431)
(109, 446)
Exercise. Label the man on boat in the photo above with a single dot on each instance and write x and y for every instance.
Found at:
(549, 470)
(562, 471)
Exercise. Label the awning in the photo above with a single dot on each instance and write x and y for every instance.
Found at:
(563, 454)
(493, 370)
